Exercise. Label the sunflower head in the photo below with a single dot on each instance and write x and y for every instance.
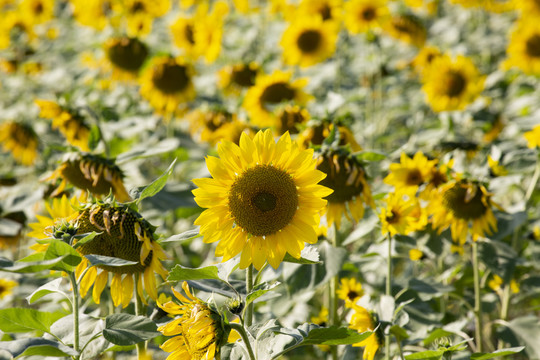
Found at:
(364, 320)
(524, 47)
(402, 215)
(315, 135)
(6, 287)
(408, 28)
(364, 15)
(466, 200)
(350, 291)
(21, 140)
(126, 54)
(290, 117)
(234, 78)
(411, 173)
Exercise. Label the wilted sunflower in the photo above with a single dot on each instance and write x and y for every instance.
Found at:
(197, 331)
(19, 139)
(402, 215)
(92, 173)
(69, 121)
(167, 84)
(263, 200)
(361, 321)
(409, 174)
(524, 48)
(289, 118)
(462, 203)
(350, 291)
(364, 15)
(212, 126)
(6, 287)
(308, 41)
(270, 91)
(125, 57)
(235, 78)
(316, 133)
(407, 28)
(347, 177)
(533, 137)
(452, 84)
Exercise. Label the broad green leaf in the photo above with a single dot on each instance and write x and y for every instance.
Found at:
(260, 290)
(370, 156)
(86, 239)
(501, 352)
(108, 260)
(30, 264)
(38, 347)
(527, 328)
(58, 248)
(126, 329)
(94, 137)
(180, 273)
(156, 185)
(399, 332)
(48, 288)
(335, 336)
(185, 236)
(426, 355)
(25, 320)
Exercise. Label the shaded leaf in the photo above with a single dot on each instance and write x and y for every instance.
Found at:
(30, 264)
(156, 185)
(181, 273)
(501, 352)
(36, 346)
(185, 236)
(108, 260)
(126, 329)
(260, 290)
(48, 288)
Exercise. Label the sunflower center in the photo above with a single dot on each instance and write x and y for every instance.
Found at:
(289, 118)
(455, 199)
(326, 12)
(437, 178)
(38, 8)
(277, 93)
(368, 14)
(244, 77)
(138, 6)
(343, 176)
(309, 41)
(188, 33)
(533, 46)
(393, 217)
(351, 295)
(455, 84)
(215, 120)
(414, 177)
(170, 78)
(263, 200)
(127, 53)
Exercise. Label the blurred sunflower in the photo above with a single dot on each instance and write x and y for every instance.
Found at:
(212, 126)
(424, 58)
(328, 10)
(289, 118)
(125, 56)
(6, 287)
(461, 203)
(361, 321)
(197, 331)
(269, 91)
(523, 50)
(167, 84)
(452, 84)
(350, 291)
(37, 11)
(364, 15)
(402, 215)
(92, 173)
(322, 317)
(308, 41)
(182, 34)
(235, 78)
(19, 139)
(93, 13)
(528, 8)
(347, 178)
(533, 137)
(69, 121)
(263, 200)
(15, 26)
(316, 133)
(407, 28)
(139, 14)
(409, 174)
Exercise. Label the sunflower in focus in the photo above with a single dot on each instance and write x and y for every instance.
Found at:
(19, 139)
(263, 200)
(402, 215)
(167, 84)
(214, 125)
(409, 174)
(407, 28)
(452, 84)
(6, 287)
(125, 56)
(465, 207)
(69, 121)
(290, 117)
(533, 137)
(347, 178)
(270, 91)
(237, 77)
(523, 50)
(316, 134)
(92, 173)
(364, 15)
(350, 291)
(308, 41)
(361, 321)
(197, 331)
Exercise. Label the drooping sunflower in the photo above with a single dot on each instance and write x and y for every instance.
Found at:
(69, 121)
(125, 56)
(361, 321)
(93, 173)
(407, 28)
(308, 41)
(533, 137)
(19, 139)
(167, 84)
(197, 331)
(350, 291)
(347, 178)
(409, 174)
(237, 77)
(290, 117)
(270, 91)
(452, 84)
(402, 215)
(523, 50)
(263, 200)
(214, 125)
(364, 15)
(6, 287)
(464, 206)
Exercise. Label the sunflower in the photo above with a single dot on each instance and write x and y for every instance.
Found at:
(92, 173)
(69, 121)
(523, 50)
(290, 117)
(197, 331)
(322, 317)
(6, 287)
(533, 137)
(263, 200)
(270, 91)
(364, 15)
(237, 77)
(416, 254)
(402, 215)
(424, 58)
(21, 140)
(93, 13)
(125, 56)
(212, 126)
(496, 284)
(167, 84)
(350, 291)
(15, 26)
(308, 41)
(528, 8)
(452, 84)
(316, 133)
(347, 177)
(138, 15)
(328, 10)
(409, 174)
(407, 28)
(361, 321)
(182, 34)
(37, 11)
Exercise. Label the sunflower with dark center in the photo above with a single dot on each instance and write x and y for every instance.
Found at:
(451, 84)
(364, 15)
(232, 79)
(19, 139)
(167, 84)
(92, 173)
(327, 10)
(290, 117)
(263, 200)
(126, 56)
(317, 132)
(363, 320)
(350, 291)
(347, 177)
(409, 174)
(214, 125)
(407, 28)
(523, 50)
(270, 91)
(309, 40)
(464, 206)
(402, 215)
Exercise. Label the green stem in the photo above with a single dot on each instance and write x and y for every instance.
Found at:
(505, 304)
(242, 331)
(141, 347)
(534, 180)
(477, 300)
(249, 288)
(332, 296)
(400, 349)
(388, 291)
(75, 304)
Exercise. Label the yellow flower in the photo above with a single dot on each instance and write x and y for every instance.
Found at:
(315, 135)
(402, 215)
(364, 15)
(6, 287)
(289, 118)
(496, 282)
(235, 78)
(415, 254)
(270, 91)
(125, 56)
(328, 10)
(93, 13)
(167, 84)
(212, 126)
(37, 11)
(409, 174)
(495, 168)
(263, 200)
(528, 8)
(308, 41)
(322, 318)
(197, 331)
(139, 14)
(350, 291)
(407, 28)
(533, 137)
(424, 58)
(361, 321)
(523, 50)
(21, 140)
(451, 84)
(59, 210)
(347, 177)
(460, 203)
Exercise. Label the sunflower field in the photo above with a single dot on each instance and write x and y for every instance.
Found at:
(270, 179)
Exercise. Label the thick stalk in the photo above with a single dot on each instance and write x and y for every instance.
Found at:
(248, 318)
(477, 299)
(141, 347)
(75, 304)
(240, 329)
(388, 291)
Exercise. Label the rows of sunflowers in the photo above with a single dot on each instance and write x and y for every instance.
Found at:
(279, 179)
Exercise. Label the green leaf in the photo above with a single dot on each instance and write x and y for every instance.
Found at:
(309, 255)
(58, 248)
(501, 352)
(335, 336)
(126, 329)
(37, 346)
(527, 328)
(370, 156)
(156, 185)
(426, 355)
(399, 332)
(436, 334)
(86, 239)
(25, 320)
(30, 264)
(181, 273)
(94, 137)
(185, 236)
(108, 260)
(48, 288)
(260, 290)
